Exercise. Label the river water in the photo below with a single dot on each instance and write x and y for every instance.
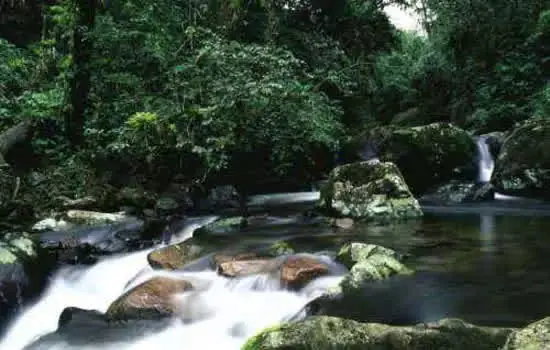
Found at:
(487, 264)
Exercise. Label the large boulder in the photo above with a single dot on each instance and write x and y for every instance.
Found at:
(369, 191)
(533, 337)
(151, 299)
(427, 155)
(327, 333)
(21, 271)
(523, 166)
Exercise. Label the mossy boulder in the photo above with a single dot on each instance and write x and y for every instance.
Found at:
(523, 166)
(354, 252)
(367, 262)
(328, 333)
(427, 155)
(535, 336)
(369, 191)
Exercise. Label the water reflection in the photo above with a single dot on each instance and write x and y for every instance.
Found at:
(487, 233)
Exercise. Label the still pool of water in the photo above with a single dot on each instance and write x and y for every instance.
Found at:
(486, 268)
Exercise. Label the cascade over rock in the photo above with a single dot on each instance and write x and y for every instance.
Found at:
(369, 191)
(523, 166)
(327, 333)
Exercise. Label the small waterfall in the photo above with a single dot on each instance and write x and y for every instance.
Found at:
(485, 160)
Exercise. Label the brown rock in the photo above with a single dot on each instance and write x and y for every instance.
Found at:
(221, 258)
(175, 256)
(297, 271)
(239, 268)
(151, 299)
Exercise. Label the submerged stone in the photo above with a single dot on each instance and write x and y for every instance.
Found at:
(327, 333)
(369, 191)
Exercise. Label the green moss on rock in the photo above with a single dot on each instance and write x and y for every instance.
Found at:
(535, 336)
(369, 191)
(328, 333)
(523, 165)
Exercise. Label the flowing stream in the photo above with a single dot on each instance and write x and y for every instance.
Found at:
(222, 314)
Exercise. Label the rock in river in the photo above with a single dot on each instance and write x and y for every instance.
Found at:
(151, 299)
(369, 191)
(523, 166)
(535, 336)
(327, 333)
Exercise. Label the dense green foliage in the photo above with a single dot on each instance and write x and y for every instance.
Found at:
(265, 88)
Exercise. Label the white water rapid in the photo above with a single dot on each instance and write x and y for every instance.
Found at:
(486, 163)
(221, 314)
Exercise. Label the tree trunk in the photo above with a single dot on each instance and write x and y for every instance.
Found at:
(80, 84)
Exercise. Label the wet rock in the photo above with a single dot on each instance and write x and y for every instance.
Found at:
(83, 245)
(151, 299)
(354, 252)
(297, 271)
(459, 192)
(21, 271)
(240, 268)
(93, 218)
(495, 140)
(523, 166)
(376, 267)
(369, 191)
(328, 333)
(533, 337)
(177, 256)
(221, 258)
(367, 262)
(51, 224)
(79, 329)
(221, 226)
